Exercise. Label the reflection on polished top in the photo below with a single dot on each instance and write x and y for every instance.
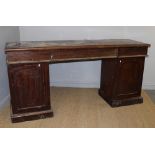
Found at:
(34, 45)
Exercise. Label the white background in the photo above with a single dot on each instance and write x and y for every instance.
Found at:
(77, 141)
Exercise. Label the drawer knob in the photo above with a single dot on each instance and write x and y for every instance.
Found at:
(38, 65)
(120, 61)
(51, 57)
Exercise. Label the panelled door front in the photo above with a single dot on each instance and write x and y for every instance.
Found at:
(129, 77)
(29, 87)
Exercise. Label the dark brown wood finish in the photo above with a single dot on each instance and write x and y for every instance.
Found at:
(29, 89)
(72, 44)
(28, 69)
(121, 81)
(59, 55)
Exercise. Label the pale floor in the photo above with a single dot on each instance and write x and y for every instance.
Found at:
(151, 93)
(75, 107)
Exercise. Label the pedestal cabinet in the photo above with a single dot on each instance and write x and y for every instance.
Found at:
(123, 80)
(30, 90)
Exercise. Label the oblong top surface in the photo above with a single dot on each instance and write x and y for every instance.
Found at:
(64, 44)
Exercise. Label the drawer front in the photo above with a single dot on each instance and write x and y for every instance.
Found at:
(79, 54)
(60, 55)
(28, 56)
(132, 52)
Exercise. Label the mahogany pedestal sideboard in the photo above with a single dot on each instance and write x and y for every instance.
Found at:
(28, 70)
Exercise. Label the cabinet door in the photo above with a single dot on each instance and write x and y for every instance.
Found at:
(129, 77)
(29, 87)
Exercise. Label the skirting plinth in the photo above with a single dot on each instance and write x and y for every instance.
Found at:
(31, 116)
(122, 102)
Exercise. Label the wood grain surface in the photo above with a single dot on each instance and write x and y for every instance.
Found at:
(38, 45)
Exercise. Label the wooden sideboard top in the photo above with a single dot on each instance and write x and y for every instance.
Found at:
(69, 44)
